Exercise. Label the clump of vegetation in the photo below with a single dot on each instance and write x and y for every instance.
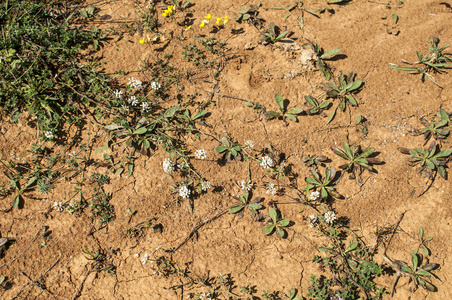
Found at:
(435, 61)
(284, 112)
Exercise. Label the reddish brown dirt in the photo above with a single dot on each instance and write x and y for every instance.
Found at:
(392, 101)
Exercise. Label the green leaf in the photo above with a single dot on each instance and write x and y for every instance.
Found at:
(280, 101)
(367, 152)
(444, 115)
(430, 164)
(280, 232)
(330, 53)
(100, 149)
(426, 250)
(415, 261)
(221, 149)
(273, 214)
(84, 13)
(324, 193)
(282, 35)
(112, 126)
(333, 87)
(171, 111)
(269, 115)
(141, 130)
(91, 9)
(405, 268)
(16, 201)
(268, 229)
(249, 104)
(255, 205)
(200, 114)
(331, 117)
(312, 181)
(395, 17)
(423, 273)
(311, 100)
(421, 232)
(442, 171)
(351, 100)
(352, 247)
(236, 209)
(324, 104)
(295, 111)
(325, 249)
(284, 223)
(29, 183)
(291, 117)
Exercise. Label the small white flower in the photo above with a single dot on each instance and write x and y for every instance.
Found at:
(205, 185)
(184, 192)
(168, 165)
(314, 195)
(144, 259)
(135, 83)
(267, 162)
(155, 85)
(118, 94)
(58, 206)
(271, 188)
(137, 255)
(330, 216)
(48, 134)
(145, 107)
(249, 144)
(312, 221)
(201, 154)
(246, 185)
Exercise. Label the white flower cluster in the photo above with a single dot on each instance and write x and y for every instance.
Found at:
(133, 101)
(58, 206)
(118, 94)
(249, 144)
(267, 162)
(168, 165)
(144, 259)
(134, 83)
(205, 185)
(314, 195)
(155, 85)
(48, 134)
(201, 154)
(271, 188)
(246, 185)
(184, 192)
(330, 216)
(312, 221)
(145, 106)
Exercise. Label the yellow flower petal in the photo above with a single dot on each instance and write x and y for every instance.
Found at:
(202, 24)
(226, 20)
(142, 41)
(188, 28)
(208, 17)
(218, 21)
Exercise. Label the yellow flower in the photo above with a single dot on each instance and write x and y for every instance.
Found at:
(226, 20)
(219, 23)
(208, 17)
(204, 22)
(222, 21)
(188, 28)
(169, 11)
(142, 41)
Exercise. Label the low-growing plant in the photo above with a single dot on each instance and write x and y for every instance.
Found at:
(250, 15)
(245, 203)
(273, 34)
(358, 160)
(276, 223)
(324, 184)
(284, 112)
(317, 107)
(314, 161)
(435, 130)
(343, 92)
(321, 56)
(435, 61)
(231, 150)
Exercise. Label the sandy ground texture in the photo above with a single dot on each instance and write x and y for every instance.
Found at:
(392, 102)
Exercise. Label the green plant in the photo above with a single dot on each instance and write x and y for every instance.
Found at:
(252, 206)
(314, 161)
(357, 159)
(284, 111)
(321, 56)
(343, 91)
(429, 160)
(90, 255)
(360, 122)
(229, 149)
(422, 242)
(325, 184)
(276, 223)
(435, 130)
(181, 5)
(250, 15)
(434, 61)
(317, 107)
(273, 34)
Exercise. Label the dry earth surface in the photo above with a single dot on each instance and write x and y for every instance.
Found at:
(392, 101)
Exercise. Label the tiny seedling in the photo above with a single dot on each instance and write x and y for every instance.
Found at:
(357, 159)
(277, 223)
(250, 15)
(325, 184)
(343, 91)
(284, 111)
(321, 56)
(273, 34)
(360, 122)
(229, 149)
(91, 255)
(245, 203)
(422, 242)
(317, 107)
(435, 61)
(314, 161)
